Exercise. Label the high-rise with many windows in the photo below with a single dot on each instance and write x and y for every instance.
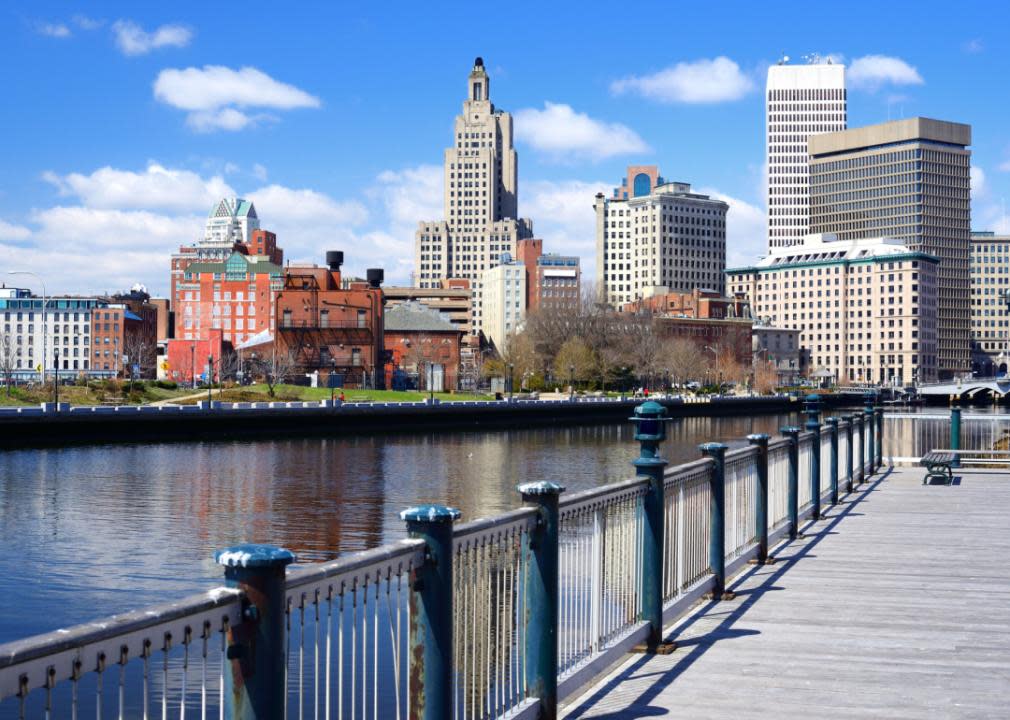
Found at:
(990, 303)
(908, 180)
(480, 198)
(800, 101)
(655, 236)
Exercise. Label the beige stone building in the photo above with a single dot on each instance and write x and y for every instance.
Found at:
(865, 309)
(655, 236)
(800, 101)
(504, 301)
(480, 198)
(907, 180)
(990, 299)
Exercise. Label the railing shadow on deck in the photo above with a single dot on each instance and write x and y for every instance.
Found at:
(724, 630)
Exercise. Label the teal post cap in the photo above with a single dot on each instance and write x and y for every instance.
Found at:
(649, 409)
(430, 514)
(543, 487)
(831, 420)
(712, 447)
(759, 437)
(253, 555)
(790, 430)
(813, 397)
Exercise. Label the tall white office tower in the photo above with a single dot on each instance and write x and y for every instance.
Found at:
(800, 101)
(480, 197)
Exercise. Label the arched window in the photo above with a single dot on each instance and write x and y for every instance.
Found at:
(478, 91)
(641, 185)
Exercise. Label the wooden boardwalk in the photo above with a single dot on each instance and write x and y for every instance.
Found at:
(896, 606)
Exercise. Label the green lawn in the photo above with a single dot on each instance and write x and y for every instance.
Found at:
(94, 394)
(297, 392)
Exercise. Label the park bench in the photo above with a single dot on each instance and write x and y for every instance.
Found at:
(938, 465)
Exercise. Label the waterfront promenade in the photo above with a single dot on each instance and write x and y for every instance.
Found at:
(895, 606)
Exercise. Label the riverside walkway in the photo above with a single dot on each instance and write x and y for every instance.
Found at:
(897, 605)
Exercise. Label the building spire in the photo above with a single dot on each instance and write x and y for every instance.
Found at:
(480, 84)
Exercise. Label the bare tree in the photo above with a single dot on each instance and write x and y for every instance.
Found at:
(8, 359)
(275, 368)
(766, 376)
(227, 366)
(683, 360)
(141, 352)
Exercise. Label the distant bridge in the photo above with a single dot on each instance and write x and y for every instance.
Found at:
(967, 388)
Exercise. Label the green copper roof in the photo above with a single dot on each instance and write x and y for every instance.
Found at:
(232, 265)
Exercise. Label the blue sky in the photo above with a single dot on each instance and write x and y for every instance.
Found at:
(123, 121)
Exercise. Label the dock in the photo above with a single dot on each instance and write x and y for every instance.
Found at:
(897, 605)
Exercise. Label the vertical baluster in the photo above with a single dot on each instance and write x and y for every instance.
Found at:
(353, 689)
(220, 680)
(75, 677)
(187, 637)
(340, 652)
(287, 654)
(50, 682)
(315, 656)
(375, 651)
(301, 657)
(100, 670)
(328, 651)
(121, 690)
(203, 670)
(166, 646)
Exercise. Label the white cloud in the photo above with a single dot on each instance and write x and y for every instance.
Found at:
(9, 231)
(134, 40)
(259, 172)
(86, 23)
(115, 229)
(412, 194)
(216, 96)
(156, 187)
(979, 188)
(701, 81)
(560, 131)
(1004, 166)
(870, 72)
(231, 168)
(746, 228)
(54, 30)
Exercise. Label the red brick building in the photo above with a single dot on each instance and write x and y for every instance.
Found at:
(423, 343)
(323, 326)
(235, 296)
(698, 304)
(186, 358)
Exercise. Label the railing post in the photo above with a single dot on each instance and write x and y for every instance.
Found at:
(650, 421)
(430, 676)
(760, 441)
(257, 647)
(955, 427)
(541, 582)
(813, 411)
(793, 434)
(879, 413)
(833, 467)
(717, 523)
(849, 422)
(868, 426)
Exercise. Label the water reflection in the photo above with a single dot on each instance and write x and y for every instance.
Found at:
(89, 531)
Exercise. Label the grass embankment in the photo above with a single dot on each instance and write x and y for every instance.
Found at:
(96, 393)
(295, 393)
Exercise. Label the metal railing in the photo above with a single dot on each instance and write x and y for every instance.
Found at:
(482, 620)
(909, 436)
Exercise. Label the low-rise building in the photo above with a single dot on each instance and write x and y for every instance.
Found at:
(866, 309)
(453, 298)
(700, 303)
(326, 328)
(781, 347)
(424, 345)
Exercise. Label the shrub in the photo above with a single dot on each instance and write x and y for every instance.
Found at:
(166, 384)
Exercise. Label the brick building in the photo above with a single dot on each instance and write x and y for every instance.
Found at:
(188, 358)
(425, 344)
(326, 326)
(700, 304)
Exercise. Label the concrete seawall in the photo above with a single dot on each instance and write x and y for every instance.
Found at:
(37, 426)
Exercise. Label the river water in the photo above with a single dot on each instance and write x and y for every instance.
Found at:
(88, 531)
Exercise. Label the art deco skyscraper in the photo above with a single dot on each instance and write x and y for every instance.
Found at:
(800, 101)
(480, 197)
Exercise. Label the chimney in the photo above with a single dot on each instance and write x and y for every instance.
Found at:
(334, 258)
(375, 276)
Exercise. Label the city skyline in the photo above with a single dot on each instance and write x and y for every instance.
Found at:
(170, 114)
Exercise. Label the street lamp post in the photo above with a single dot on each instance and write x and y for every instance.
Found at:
(431, 383)
(715, 355)
(571, 382)
(45, 325)
(56, 377)
(192, 360)
(210, 377)
(511, 368)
